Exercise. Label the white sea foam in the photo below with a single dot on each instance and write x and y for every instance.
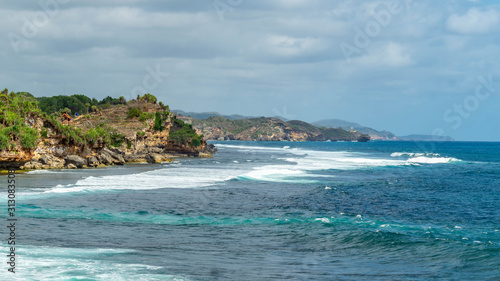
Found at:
(338, 160)
(42, 172)
(304, 161)
(52, 263)
(424, 158)
(278, 173)
(414, 154)
(172, 177)
(299, 168)
(432, 160)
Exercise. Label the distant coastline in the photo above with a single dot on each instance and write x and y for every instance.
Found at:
(217, 126)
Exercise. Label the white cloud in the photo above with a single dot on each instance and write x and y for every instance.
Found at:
(474, 21)
(390, 55)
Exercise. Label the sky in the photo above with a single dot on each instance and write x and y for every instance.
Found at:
(407, 66)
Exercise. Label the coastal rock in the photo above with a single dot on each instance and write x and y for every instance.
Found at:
(135, 158)
(49, 161)
(210, 148)
(92, 161)
(105, 159)
(119, 160)
(113, 151)
(71, 166)
(111, 156)
(205, 155)
(32, 165)
(154, 149)
(155, 158)
(75, 160)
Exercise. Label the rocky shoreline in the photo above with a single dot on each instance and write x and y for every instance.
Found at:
(107, 157)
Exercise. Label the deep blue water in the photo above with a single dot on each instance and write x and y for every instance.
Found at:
(269, 210)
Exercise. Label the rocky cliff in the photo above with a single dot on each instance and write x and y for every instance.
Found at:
(110, 136)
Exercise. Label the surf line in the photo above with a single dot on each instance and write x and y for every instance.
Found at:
(11, 219)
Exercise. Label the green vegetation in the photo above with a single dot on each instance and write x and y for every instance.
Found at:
(117, 139)
(97, 135)
(148, 98)
(183, 133)
(133, 112)
(161, 117)
(76, 103)
(146, 115)
(4, 141)
(20, 111)
(16, 110)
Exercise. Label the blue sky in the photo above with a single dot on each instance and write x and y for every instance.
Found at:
(405, 66)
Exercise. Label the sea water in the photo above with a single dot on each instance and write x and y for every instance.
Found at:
(267, 210)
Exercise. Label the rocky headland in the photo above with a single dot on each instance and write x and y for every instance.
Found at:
(137, 131)
(269, 129)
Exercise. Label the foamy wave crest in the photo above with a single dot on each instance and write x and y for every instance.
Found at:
(170, 177)
(338, 160)
(278, 173)
(414, 154)
(51, 263)
(433, 160)
(425, 158)
(299, 169)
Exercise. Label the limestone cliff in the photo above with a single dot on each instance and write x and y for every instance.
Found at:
(109, 136)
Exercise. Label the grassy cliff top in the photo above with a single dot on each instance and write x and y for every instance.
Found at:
(26, 120)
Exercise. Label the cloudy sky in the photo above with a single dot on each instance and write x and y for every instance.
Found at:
(405, 66)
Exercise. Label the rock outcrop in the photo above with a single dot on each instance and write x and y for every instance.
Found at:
(76, 160)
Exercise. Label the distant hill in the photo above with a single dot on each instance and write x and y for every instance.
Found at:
(206, 115)
(346, 125)
(426, 138)
(269, 129)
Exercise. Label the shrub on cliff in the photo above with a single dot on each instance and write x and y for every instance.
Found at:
(146, 115)
(133, 112)
(148, 98)
(15, 110)
(98, 134)
(160, 117)
(183, 133)
(4, 140)
(117, 139)
(29, 137)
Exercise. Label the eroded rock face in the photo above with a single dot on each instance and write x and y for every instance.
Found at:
(16, 158)
(92, 161)
(111, 156)
(135, 158)
(154, 158)
(55, 151)
(32, 165)
(76, 160)
(210, 148)
(52, 162)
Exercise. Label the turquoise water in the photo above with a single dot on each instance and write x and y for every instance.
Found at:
(269, 210)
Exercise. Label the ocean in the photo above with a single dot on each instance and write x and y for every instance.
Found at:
(266, 211)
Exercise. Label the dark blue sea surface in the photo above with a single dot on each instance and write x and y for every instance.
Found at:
(268, 210)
